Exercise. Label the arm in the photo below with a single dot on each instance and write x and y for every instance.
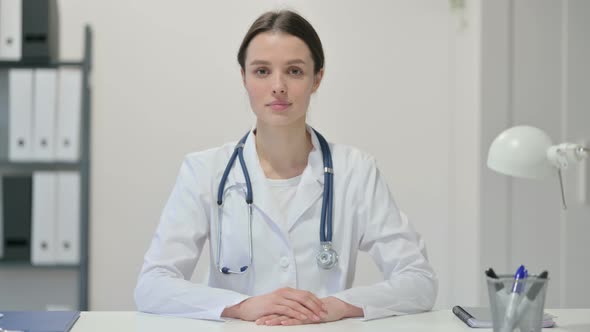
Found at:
(410, 285)
(164, 285)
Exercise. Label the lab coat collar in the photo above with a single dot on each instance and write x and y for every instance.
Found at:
(309, 190)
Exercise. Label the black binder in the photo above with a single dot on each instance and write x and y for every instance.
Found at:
(16, 217)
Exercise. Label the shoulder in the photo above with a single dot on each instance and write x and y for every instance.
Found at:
(350, 157)
(206, 162)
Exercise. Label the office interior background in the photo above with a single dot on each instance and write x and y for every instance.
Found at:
(423, 85)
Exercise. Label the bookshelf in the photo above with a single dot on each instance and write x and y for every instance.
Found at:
(28, 286)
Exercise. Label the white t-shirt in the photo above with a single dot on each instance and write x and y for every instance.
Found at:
(283, 190)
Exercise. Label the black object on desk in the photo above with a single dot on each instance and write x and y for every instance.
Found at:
(480, 317)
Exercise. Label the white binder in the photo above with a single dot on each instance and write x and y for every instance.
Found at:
(69, 108)
(44, 113)
(68, 218)
(20, 105)
(10, 30)
(43, 219)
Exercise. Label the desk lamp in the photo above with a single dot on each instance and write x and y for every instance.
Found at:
(527, 152)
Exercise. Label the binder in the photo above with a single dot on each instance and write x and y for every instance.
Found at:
(43, 226)
(44, 113)
(10, 30)
(69, 107)
(39, 321)
(20, 108)
(16, 216)
(4, 113)
(40, 30)
(68, 218)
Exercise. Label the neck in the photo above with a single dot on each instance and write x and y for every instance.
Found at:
(283, 151)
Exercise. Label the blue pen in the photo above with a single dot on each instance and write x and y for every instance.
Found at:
(512, 305)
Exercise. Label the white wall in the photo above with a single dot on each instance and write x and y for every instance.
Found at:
(166, 81)
(535, 71)
(463, 242)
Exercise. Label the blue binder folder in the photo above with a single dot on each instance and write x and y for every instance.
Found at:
(39, 321)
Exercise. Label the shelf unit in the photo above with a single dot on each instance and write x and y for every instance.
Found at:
(24, 286)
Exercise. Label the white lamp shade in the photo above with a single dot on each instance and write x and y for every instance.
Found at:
(521, 151)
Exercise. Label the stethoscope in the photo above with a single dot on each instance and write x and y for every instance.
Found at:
(327, 257)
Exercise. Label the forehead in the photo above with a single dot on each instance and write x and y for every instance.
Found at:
(277, 47)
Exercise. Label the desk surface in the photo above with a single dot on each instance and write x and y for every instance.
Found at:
(577, 320)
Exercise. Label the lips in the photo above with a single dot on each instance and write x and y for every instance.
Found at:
(279, 105)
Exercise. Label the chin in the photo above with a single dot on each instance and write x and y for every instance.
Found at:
(280, 120)
(273, 118)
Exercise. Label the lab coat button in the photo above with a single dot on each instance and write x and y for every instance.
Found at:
(284, 262)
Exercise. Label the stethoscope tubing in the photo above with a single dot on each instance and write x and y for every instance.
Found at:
(326, 214)
(327, 201)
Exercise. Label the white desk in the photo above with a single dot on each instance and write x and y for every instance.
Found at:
(577, 320)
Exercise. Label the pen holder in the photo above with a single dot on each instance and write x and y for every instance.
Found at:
(517, 306)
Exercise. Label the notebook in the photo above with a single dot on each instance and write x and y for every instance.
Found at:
(39, 321)
(480, 317)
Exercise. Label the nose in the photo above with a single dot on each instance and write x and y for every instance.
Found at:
(279, 87)
(279, 91)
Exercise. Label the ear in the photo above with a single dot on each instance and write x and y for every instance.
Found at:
(243, 76)
(317, 79)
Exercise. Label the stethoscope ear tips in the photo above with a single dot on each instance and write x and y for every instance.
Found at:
(225, 270)
(243, 268)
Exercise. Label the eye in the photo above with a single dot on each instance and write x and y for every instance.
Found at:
(295, 71)
(261, 72)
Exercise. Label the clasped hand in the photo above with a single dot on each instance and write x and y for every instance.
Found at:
(289, 306)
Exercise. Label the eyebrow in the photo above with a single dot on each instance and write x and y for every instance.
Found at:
(266, 63)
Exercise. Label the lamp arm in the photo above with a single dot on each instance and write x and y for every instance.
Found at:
(562, 154)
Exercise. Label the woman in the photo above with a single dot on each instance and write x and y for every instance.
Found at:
(282, 275)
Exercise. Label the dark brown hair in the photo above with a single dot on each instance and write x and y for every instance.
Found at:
(288, 22)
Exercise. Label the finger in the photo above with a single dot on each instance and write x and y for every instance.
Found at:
(310, 300)
(285, 310)
(307, 299)
(303, 311)
(277, 320)
(291, 321)
(263, 319)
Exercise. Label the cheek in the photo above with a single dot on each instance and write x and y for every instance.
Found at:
(255, 91)
(302, 90)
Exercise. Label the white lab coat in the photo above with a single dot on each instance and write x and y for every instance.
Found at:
(365, 218)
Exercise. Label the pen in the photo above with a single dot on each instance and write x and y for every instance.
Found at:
(498, 286)
(531, 295)
(512, 305)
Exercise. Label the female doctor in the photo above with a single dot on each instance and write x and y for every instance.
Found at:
(285, 212)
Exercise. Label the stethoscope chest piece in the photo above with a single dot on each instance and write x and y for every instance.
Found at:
(327, 257)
